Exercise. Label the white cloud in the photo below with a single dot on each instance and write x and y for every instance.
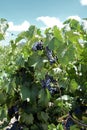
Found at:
(50, 21)
(75, 17)
(18, 28)
(83, 2)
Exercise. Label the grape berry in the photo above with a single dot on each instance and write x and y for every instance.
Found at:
(46, 83)
(15, 126)
(50, 56)
(13, 111)
(37, 46)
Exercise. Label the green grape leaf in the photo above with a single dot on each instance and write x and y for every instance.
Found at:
(30, 92)
(20, 37)
(69, 54)
(54, 44)
(73, 85)
(44, 97)
(20, 61)
(1, 36)
(34, 127)
(51, 127)
(3, 113)
(31, 31)
(84, 55)
(57, 33)
(25, 93)
(2, 98)
(44, 116)
(74, 127)
(44, 126)
(13, 45)
(27, 118)
(60, 127)
(74, 24)
(33, 59)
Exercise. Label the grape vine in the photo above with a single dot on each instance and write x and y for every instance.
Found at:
(43, 82)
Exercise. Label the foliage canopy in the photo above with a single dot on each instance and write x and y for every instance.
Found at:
(42, 88)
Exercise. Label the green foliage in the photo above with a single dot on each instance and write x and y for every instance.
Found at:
(3, 28)
(23, 69)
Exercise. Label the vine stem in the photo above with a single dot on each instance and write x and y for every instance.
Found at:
(67, 116)
(78, 122)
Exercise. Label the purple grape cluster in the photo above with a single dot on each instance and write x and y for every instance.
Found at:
(78, 111)
(52, 59)
(69, 123)
(15, 126)
(46, 83)
(38, 46)
(49, 53)
(13, 111)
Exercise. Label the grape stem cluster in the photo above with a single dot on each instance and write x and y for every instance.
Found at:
(47, 82)
(49, 53)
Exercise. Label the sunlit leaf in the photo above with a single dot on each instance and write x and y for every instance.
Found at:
(73, 85)
(1, 36)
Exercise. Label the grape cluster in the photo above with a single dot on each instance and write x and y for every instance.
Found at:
(52, 59)
(38, 46)
(46, 83)
(13, 111)
(69, 123)
(15, 126)
(78, 111)
(49, 53)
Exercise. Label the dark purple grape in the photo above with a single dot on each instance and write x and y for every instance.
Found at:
(78, 112)
(69, 123)
(17, 116)
(83, 108)
(70, 112)
(46, 83)
(52, 61)
(53, 90)
(15, 126)
(37, 46)
(50, 56)
(49, 53)
(43, 84)
(13, 111)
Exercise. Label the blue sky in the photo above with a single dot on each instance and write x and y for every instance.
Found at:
(18, 11)
(20, 14)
